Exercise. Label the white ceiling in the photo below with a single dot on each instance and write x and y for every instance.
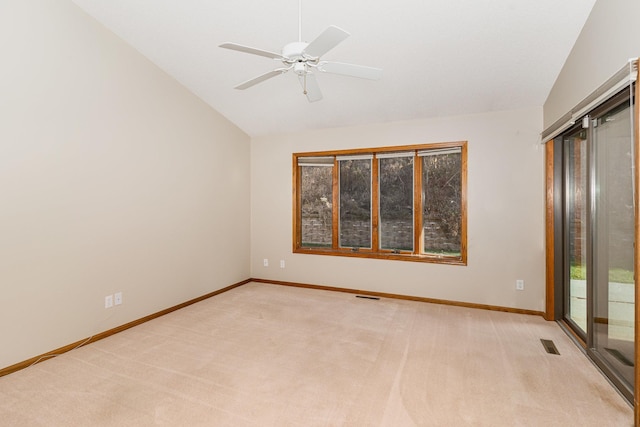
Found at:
(440, 58)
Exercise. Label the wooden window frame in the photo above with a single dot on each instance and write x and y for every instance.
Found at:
(375, 252)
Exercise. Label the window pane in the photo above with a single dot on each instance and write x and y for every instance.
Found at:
(316, 194)
(355, 203)
(441, 214)
(396, 203)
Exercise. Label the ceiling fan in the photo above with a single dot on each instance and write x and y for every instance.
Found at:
(305, 60)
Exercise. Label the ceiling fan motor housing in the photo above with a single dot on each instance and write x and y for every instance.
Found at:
(294, 51)
(294, 55)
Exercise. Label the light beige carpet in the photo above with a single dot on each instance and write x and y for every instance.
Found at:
(267, 355)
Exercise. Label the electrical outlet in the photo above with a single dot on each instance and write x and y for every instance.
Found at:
(117, 298)
(281, 263)
(265, 262)
(520, 285)
(108, 301)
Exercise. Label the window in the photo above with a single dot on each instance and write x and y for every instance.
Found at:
(405, 203)
(442, 201)
(354, 182)
(395, 183)
(316, 188)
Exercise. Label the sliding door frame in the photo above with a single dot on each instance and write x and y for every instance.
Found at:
(553, 247)
(636, 199)
(554, 220)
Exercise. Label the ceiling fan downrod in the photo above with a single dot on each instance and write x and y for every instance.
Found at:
(300, 20)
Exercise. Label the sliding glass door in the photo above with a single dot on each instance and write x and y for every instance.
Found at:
(613, 235)
(598, 237)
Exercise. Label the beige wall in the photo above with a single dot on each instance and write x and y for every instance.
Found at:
(610, 37)
(505, 206)
(113, 177)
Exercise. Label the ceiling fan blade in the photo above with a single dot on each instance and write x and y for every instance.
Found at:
(311, 87)
(251, 50)
(254, 81)
(326, 41)
(352, 70)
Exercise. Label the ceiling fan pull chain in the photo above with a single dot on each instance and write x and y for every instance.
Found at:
(305, 84)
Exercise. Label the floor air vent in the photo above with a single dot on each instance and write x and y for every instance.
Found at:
(367, 297)
(549, 346)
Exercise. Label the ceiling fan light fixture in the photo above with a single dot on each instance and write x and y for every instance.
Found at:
(300, 68)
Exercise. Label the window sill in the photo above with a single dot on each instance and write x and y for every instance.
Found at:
(367, 253)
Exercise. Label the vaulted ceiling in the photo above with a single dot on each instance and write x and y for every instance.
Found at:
(440, 58)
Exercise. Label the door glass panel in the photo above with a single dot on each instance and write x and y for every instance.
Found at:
(575, 146)
(613, 302)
